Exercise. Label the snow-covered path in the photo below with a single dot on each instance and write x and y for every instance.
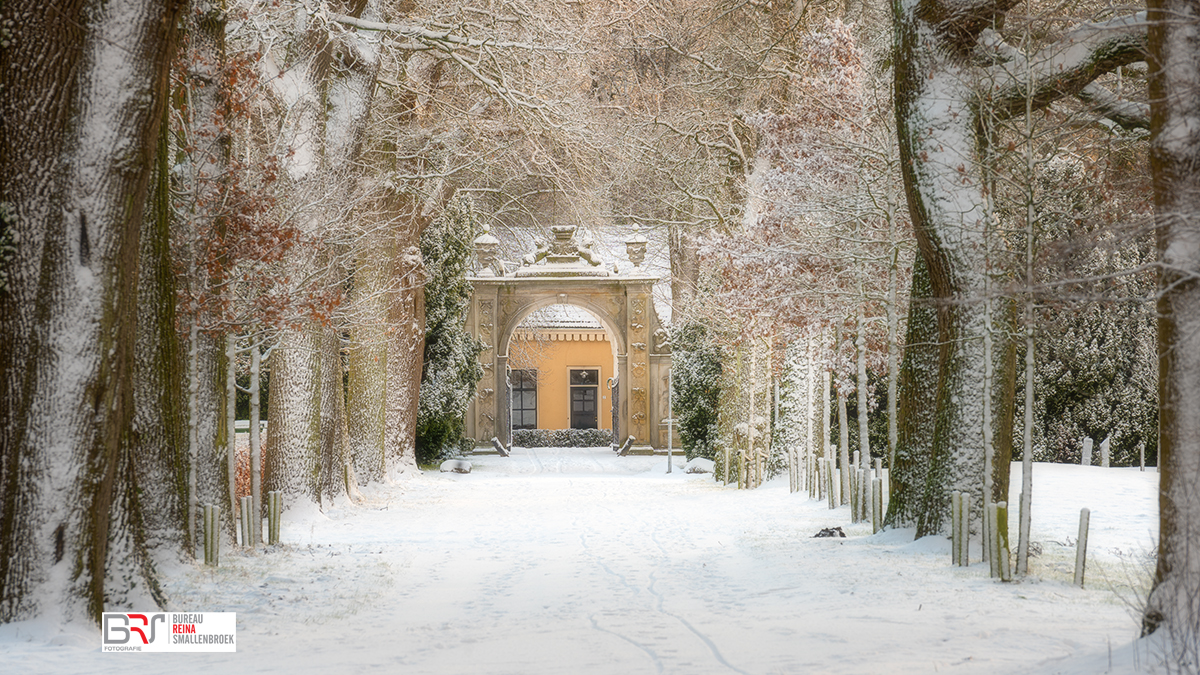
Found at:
(576, 561)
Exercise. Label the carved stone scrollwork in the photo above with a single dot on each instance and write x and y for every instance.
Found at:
(638, 369)
(639, 346)
(639, 396)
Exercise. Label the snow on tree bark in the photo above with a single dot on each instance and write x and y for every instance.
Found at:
(1175, 164)
(953, 76)
(367, 357)
(405, 354)
(152, 516)
(84, 89)
(324, 83)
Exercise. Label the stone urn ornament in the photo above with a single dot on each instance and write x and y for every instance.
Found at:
(635, 247)
(485, 252)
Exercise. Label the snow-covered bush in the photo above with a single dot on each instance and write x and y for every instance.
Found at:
(451, 369)
(1097, 373)
(696, 378)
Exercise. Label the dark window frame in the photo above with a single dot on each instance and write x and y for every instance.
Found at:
(577, 381)
(524, 381)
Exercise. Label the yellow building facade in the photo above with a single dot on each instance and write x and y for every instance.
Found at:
(560, 378)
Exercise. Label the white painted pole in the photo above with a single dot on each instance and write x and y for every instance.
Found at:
(955, 528)
(671, 419)
(1081, 546)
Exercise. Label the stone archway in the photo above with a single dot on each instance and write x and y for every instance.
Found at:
(563, 272)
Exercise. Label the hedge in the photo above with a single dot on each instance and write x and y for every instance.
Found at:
(562, 438)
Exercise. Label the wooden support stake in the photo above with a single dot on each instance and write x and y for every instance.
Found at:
(1085, 516)
(955, 528)
(212, 535)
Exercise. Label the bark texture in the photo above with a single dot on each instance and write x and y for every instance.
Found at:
(954, 75)
(84, 86)
(1175, 164)
(324, 86)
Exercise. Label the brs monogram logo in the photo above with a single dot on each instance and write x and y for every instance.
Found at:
(124, 631)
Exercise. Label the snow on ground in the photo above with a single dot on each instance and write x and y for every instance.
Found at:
(578, 561)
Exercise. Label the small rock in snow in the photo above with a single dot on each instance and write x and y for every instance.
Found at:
(456, 465)
(830, 532)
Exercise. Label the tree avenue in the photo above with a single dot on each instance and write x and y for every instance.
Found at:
(194, 193)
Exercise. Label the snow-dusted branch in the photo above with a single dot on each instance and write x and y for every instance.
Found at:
(445, 40)
(1128, 114)
(1065, 67)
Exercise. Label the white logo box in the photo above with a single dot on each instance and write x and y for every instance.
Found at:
(168, 632)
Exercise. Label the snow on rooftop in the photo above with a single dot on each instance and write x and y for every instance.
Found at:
(558, 317)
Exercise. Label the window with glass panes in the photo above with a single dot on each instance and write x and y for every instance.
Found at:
(524, 398)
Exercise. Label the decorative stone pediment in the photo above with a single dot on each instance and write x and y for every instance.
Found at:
(563, 256)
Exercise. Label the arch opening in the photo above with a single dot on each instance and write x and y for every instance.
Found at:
(562, 367)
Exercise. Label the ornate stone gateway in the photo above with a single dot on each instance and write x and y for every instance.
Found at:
(564, 272)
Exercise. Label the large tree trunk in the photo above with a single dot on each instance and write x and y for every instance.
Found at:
(84, 89)
(367, 356)
(151, 513)
(1175, 163)
(326, 89)
(200, 177)
(953, 78)
(937, 125)
(405, 356)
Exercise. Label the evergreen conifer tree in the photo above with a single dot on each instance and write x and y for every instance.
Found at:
(451, 368)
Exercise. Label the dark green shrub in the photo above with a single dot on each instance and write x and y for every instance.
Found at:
(451, 368)
(562, 438)
(696, 378)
